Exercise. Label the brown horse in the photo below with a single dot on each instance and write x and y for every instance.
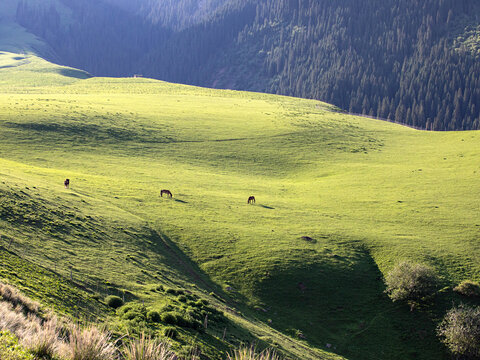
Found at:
(251, 200)
(66, 183)
(168, 193)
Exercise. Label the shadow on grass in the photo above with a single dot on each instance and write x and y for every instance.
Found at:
(266, 207)
(340, 305)
(73, 73)
(181, 201)
(185, 266)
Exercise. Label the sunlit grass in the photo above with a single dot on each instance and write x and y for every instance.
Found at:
(340, 199)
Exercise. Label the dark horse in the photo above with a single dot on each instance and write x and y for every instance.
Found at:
(251, 200)
(66, 183)
(168, 193)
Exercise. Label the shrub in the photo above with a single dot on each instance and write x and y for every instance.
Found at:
(153, 316)
(186, 321)
(460, 331)
(90, 344)
(468, 288)
(169, 318)
(133, 311)
(410, 282)
(113, 301)
(146, 348)
(170, 332)
(249, 353)
(182, 298)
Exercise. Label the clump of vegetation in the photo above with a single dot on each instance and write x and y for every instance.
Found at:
(170, 317)
(249, 353)
(114, 301)
(153, 316)
(460, 331)
(411, 282)
(133, 311)
(38, 335)
(174, 291)
(90, 344)
(468, 288)
(146, 348)
(43, 339)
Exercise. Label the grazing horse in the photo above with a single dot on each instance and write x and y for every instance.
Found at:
(66, 183)
(168, 193)
(251, 200)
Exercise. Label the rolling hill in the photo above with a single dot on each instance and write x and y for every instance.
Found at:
(340, 200)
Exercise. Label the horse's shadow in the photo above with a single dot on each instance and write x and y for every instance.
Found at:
(266, 207)
(181, 201)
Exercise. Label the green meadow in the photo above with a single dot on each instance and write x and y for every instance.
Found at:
(339, 200)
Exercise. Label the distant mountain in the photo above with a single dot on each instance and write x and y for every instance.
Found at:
(414, 62)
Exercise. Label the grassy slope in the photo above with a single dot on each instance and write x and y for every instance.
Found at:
(369, 193)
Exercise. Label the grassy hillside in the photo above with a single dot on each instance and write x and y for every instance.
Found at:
(340, 199)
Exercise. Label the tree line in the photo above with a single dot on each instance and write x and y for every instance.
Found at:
(392, 59)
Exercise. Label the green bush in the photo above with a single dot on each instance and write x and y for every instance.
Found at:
(410, 282)
(182, 298)
(460, 331)
(169, 318)
(468, 288)
(133, 311)
(153, 316)
(113, 301)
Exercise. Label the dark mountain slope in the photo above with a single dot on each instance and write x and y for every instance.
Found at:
(409, 61)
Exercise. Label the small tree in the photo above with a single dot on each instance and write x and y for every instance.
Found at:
(460, 331)
(410, 282)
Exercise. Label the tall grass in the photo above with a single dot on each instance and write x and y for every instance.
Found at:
(12, 319)
(90, 343)
(43, 339)
(146, 348)
(12, 295)
(249, 353)
(40, 337)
